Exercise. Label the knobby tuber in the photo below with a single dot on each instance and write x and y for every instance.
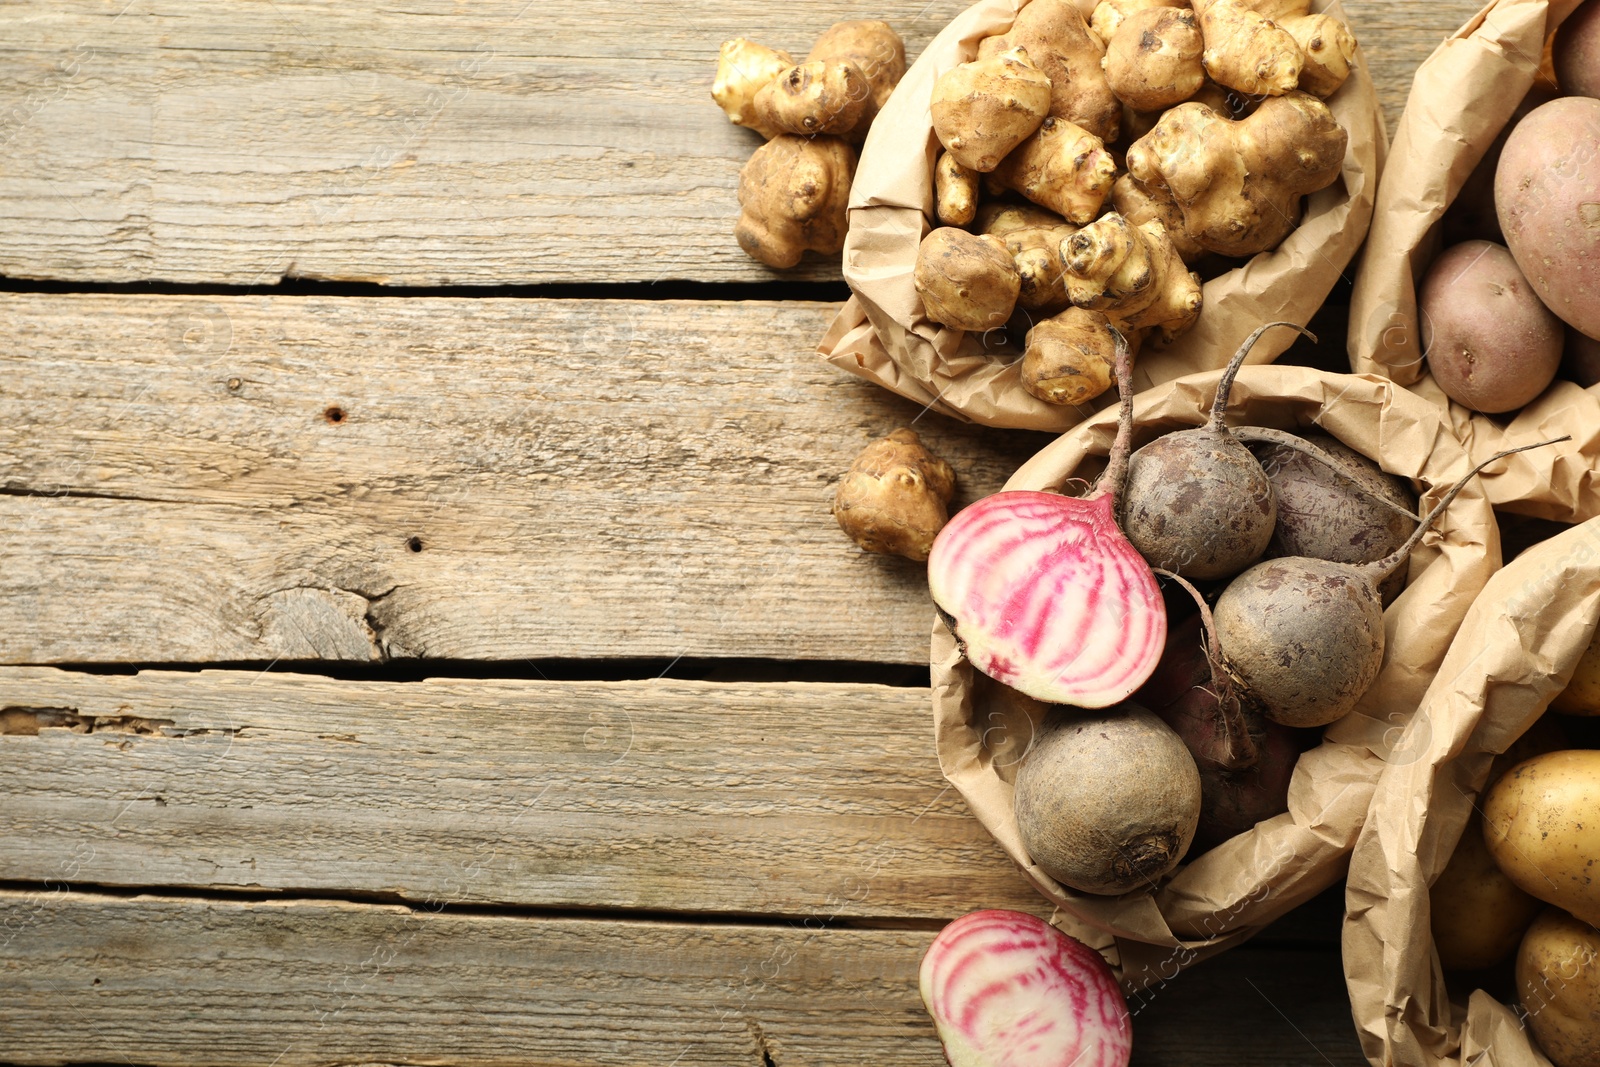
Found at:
(1060, 43)
(966, 281)
(1240, 184)
(1063, 167)
(1153, 62)
(1071, 358)
(895, 496)
(984, 109)
(744, 68)
(792, 198)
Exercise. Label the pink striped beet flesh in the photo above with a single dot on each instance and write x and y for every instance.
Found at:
(1047, 596)
(1009, 990)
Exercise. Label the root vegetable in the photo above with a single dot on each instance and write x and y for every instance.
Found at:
(1240, 184)
(1247, 51)
(1108, 15)
(1035, 250)
(1333, 516)
(1107, 802)
(895, 496)
(1063, 167)
(1328, 49)
(792, 198)
(1139, 205)
(1576, 53)
(872, 46)
(1107, 265)
(1191, 692)
(1007, 989)
(1490, 342)
(1478, 915)
(1060, 43)
(984, 109)
(1547, 193)
(1582, 694)
(1000, 218)
(1045, 594)
(744, 68)
(1558, 985)
(966, 281)
(816, 97)
(1580, 359)
(1306, 635)
(955, 191)
(1540, 821)
(1175, 294)
(1070, 359)
(1233, 801)
(1198, 502)
(1153, 61)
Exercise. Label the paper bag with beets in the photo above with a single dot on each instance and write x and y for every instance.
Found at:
(1223, 895)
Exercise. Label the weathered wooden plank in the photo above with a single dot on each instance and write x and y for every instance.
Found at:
(1397, 37)
(234, 479)
(800, 800)
(429, 143)
(424, 143)
(187, 982)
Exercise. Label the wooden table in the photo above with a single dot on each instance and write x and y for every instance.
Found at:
(425, 637)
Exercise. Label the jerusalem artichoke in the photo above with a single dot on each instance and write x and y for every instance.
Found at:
(1062, 167)
(966, 281)
(1329, 49)
(984, 109)
(744, 68)
(792, 197)
(1153, 61)
(895, 497)
(955, 191)
(1247, 51)
(1060, 43)
(1239, 184)
(1071, 358)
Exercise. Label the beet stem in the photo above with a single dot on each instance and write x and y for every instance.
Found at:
(1115, 476)
(1219, 403)
(1235, 730)
(1283, 439)
(1383, 568)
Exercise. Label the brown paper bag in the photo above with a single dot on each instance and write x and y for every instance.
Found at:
(882, 334)
(1225, 895)
(1514, 652)
(1460, 100)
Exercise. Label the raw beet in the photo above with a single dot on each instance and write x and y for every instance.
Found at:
(1232, 801)
(1198, 702)
(1324, 516)
(1006, 989)
(1197, 502)
(1043, 591)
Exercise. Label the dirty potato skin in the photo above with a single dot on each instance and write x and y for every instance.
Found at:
(1107, 801)
(1305, 635)
(1541, 821)
(1167, 477)
(1558, 983)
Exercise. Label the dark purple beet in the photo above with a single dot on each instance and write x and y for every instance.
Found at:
(1231, 802)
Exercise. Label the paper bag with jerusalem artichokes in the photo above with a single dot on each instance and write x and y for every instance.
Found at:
(1224, 895)
(1514, 653)
(882, 333)
(1463, 96)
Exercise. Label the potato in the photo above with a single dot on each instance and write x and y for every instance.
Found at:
(1558, 983)
(1577, 51)
(1479, 914)
(1541, 821)
(1582, 694)
(1491, 345)
(1547, 195)
(1581, 361)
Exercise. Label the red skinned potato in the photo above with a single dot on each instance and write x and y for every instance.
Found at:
(1547, 194)
(1577, 52)
(1490, 344)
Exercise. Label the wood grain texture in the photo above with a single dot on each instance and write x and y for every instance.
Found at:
(423, 143)
(176, 983)
(1397, 37)
(243, 479)
(429, 143)
(786, 800)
